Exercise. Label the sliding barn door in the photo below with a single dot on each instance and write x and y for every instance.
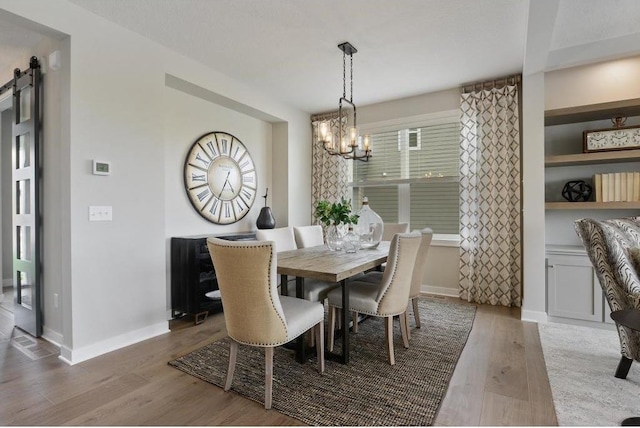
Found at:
(27, 220)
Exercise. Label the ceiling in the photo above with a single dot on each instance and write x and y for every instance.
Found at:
(288, 48)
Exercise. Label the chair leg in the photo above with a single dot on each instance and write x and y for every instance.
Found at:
(389, 333)
(312, 340)
(403, 329)
(233, 353)
(354, 316)
(416, 313)
(623, 367)
(319, 330)
(406, 322)
(268, 376)
(332, 326)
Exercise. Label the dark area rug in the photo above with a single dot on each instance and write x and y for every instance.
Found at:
(368, 391)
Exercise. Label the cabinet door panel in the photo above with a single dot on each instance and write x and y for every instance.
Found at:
(573, 289)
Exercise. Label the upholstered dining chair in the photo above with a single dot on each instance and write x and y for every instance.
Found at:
(285, 238)
(308, 236)
(390, 229)
(419, 269)
(389, 298)
(254, 313)
(613, 247)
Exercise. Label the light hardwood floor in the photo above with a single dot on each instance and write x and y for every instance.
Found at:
(500, 379)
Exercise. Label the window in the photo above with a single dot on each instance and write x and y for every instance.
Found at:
(413, 175)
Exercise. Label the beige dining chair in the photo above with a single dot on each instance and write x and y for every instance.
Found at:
(254, 313)
(314, 289)
(308, 236)
(389, 298)
(390, 229)
(419, 269)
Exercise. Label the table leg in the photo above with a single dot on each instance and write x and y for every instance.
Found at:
(344, 358)
(284, 290)
(345, 321)
(300, 348)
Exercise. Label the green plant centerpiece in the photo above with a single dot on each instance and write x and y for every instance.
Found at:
(333, 215)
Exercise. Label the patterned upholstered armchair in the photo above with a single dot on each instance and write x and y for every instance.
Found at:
(613, 247)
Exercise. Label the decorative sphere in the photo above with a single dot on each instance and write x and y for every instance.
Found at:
(576, 191)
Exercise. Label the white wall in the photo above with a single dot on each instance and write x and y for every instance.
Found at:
(592, 84)
(115, 293)
(533, 225)
(186, 119)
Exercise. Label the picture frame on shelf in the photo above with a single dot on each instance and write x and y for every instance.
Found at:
(617, 138)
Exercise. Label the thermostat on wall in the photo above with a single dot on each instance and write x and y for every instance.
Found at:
(101, 168)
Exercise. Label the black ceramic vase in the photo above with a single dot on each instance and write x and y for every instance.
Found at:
(265, 219)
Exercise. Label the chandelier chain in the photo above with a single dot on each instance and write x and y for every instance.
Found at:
(351, 78)
(344, 75)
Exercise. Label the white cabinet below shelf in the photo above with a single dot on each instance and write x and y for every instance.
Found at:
(573, 290)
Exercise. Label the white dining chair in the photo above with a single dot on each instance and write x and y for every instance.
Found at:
(308, 236)
(389, 298)
(254, 313)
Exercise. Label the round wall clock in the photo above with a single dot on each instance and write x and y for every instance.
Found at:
(220, 178)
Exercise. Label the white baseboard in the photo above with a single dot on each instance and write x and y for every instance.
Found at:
(75, 356)
(533, 316)
(440, 291)
(52, 336)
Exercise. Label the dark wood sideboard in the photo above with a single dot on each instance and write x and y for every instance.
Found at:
(193, 275)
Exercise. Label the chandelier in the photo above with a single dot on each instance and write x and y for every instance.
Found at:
(346, 143)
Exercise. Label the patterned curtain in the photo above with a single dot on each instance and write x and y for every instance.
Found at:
(329, 174)
(490, 240)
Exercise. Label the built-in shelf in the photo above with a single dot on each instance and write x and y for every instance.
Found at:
(591, 205)
(591, 112)
(593, 158)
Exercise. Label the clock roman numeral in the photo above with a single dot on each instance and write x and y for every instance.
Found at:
(203, 195)
(244, 164)
(241, 204)
(246, 193)
(204, 161)
(212, 148)
(197, 177)
(227, 210)
(247, 179)
(214, 205)
(224, 146)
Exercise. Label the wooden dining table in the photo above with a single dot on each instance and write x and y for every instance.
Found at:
(331, 266)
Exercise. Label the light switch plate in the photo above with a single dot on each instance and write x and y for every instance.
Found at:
(100, 213)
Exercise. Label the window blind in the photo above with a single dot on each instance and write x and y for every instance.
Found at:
(429, 166)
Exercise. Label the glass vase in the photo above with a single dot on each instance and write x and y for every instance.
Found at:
(333, 238)
(369, 227)
(351, 241)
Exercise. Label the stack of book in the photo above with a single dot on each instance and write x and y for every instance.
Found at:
(617, 187)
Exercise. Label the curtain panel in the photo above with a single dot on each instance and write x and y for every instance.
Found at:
(490, 199)
(329, 174)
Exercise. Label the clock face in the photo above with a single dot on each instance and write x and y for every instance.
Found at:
(220, 178)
